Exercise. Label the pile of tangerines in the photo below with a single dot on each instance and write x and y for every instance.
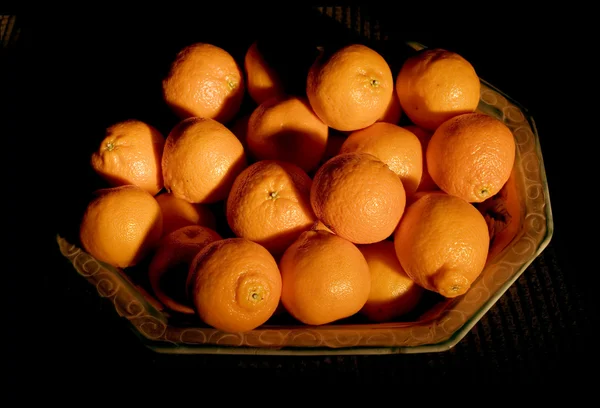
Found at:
(334, 208)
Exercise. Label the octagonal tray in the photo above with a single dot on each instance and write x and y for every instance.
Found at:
(442, 324)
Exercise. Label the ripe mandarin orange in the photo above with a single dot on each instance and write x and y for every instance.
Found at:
(393, 112)
(351, 88)
(358, 197)
(335, 140)
(262, 81)
(205, 81)
(436, 84)
(286, 128)
(319, 226)
(239, 127)
(503, 214)
(235, 284)
(201, 159)
(130, 153)
(397, 147)
(471, 156)
(442, 243)
(121, 225)
(393, 293)
(178, 213)
(269, 203)
(172, 260)
(325, 278)
(426, 183)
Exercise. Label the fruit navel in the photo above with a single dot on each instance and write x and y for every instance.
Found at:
(251, 291)
(450, 283)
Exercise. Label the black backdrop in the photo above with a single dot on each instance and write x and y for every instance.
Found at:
(73, 75)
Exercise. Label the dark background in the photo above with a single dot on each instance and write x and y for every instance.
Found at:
(69, 77)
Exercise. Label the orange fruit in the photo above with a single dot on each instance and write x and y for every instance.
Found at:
(263, 82)
(358, 197)
(442, 243)
(436, 84)
(471, 156)
(178, 213)
(335, 140)
(172, 260)
(235, 284)
(350, 89)
(411, 199)
(319, 226)
(205, 81)
(239, 127)
(503, 213)
(201, 159)
(395, 146)
(130, 153)
(426, 183)
(325, 278)
(393, 293)
(121, 225)
(286, 128)
(393, 112)
(269, 203)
